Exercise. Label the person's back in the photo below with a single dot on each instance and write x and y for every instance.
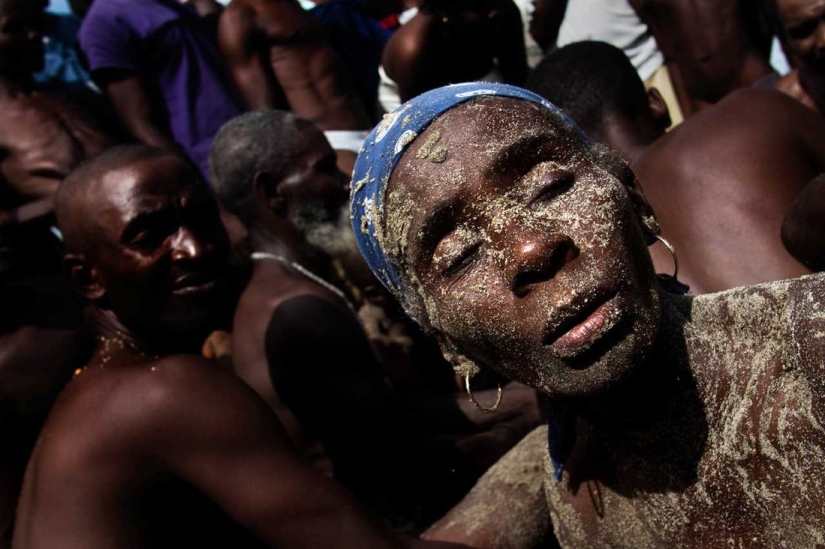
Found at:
(722, 183)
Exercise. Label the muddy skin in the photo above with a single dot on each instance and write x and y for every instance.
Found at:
(699, 419)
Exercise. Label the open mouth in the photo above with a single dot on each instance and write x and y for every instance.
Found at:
(577, 333)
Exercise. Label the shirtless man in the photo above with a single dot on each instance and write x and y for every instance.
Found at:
(712, 47)
(151, 445)
(42, 137)
(689, 422)
(801, 24)
(298, 343)
(279, 59)
(721, 183)
(460, 41)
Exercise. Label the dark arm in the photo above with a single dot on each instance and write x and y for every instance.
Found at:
(243, 48)
(544, 28)
(213, 431)
(135, 108)
(511, 54)
(803, 230)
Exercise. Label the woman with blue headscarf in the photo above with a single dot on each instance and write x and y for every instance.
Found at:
(522, 247)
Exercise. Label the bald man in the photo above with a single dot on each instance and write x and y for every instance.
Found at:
(721, 183)
(151, 445)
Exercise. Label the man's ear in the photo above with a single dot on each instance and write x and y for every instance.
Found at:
(268, 190)
(462, 365)
(658, 108)
(85, 277)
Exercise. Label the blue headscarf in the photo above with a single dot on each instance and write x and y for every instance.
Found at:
(387, 143)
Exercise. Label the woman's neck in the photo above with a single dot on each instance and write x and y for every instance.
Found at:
(657, 411)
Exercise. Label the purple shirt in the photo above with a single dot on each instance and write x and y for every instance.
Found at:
(164, 43)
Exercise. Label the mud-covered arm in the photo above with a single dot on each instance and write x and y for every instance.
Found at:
(507, 508)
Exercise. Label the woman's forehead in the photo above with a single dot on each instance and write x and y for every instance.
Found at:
(475, 138)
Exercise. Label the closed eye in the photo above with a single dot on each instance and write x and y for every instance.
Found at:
(461, 261)
(553, 189)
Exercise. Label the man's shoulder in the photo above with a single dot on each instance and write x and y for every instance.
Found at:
(112, 404)
(268, 293)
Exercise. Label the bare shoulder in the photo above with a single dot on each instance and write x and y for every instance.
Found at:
(267, 291)
(761, 105)
(404, 48)
(131, 410)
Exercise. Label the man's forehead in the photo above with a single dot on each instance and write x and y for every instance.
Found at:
(147, 184)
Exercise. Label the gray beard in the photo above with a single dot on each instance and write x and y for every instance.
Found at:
(331, 237)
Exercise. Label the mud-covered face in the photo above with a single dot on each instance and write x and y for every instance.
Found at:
(529, 257)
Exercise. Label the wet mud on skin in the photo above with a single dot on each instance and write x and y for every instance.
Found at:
(754, 481)
(735, 456)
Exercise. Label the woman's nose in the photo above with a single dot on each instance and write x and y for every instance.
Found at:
(536, 258)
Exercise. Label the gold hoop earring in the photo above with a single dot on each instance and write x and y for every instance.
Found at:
(672, 251)
(474, 401)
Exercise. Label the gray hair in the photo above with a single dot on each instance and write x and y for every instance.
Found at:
(256, 142)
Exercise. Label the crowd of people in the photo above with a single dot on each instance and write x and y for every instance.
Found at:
(412, 273)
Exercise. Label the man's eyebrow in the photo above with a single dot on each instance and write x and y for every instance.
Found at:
(137, 223)
(512, 156)
(436, 224)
